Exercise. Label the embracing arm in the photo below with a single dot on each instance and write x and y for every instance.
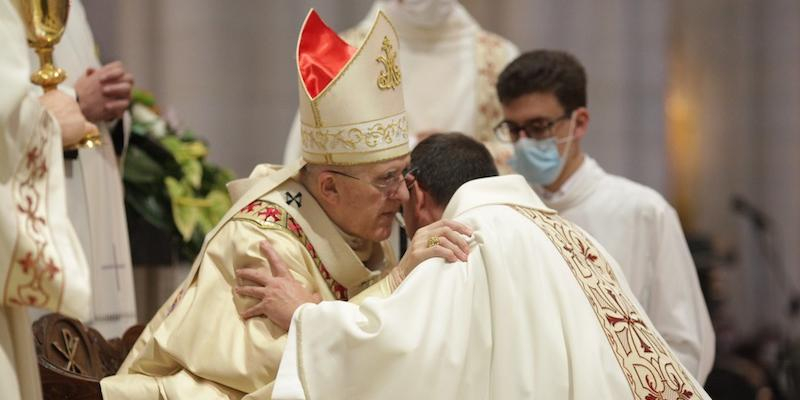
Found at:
(278, 295)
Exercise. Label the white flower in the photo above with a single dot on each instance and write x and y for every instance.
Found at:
(159, 128)
(145, 116)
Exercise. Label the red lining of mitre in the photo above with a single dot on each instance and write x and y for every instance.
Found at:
(321, 54)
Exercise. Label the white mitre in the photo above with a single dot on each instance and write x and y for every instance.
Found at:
(351, 100)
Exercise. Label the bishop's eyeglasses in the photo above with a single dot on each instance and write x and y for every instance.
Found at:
(388, 184)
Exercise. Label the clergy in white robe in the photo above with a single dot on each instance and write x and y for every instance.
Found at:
(450, 67)
(544, 103)
(41, 261)
(95, 199)
(539, 310)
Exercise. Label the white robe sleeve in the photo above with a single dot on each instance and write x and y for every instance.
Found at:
(677, 305)
(376, 344)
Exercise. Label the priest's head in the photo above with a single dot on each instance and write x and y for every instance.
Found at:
(353, 126)
(543, 94)
(440, 164)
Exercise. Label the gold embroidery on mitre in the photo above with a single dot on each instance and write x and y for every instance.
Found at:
(315, 112)
(390, 77)
(353, 138)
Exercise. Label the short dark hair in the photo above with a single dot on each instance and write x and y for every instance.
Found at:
(544, 71)
(444, 161)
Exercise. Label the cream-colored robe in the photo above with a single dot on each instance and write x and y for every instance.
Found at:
(95, 199)
(197, 346)
(449, 73)
(41, 262)
(641, 230)
(539, 311)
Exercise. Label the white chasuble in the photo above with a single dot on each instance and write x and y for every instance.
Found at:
(95, 199)
(642, 232)
(41, 262)
(539, 311)
(197, 345)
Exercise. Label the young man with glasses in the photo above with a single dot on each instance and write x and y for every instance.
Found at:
(543, 94)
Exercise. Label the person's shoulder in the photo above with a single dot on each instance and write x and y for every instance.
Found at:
(641, 199)
(500, 217)
(265, 214)
(493, 40)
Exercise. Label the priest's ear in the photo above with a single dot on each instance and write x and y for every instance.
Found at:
(425, 208)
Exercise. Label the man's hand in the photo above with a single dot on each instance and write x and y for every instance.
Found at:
(66, 111)
(278, 295)
(439, 239)
(104, 93)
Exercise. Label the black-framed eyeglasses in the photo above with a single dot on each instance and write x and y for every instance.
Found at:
(388, 185)
(537, 128)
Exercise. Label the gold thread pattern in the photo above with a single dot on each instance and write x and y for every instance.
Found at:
(491, 58)
(390, 77)
(354, 138)
(649, 366)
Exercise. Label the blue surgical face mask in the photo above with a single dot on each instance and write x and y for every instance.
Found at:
(539, 160)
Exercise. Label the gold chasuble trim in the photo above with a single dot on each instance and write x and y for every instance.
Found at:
(267, 215)
(35, 277)
(649, 367)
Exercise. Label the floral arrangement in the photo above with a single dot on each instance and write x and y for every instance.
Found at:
(168, 182)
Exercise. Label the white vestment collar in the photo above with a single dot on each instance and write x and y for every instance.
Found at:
(576, 188)
(507, 189)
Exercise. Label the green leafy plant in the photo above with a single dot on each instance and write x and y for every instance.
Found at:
(168, 182)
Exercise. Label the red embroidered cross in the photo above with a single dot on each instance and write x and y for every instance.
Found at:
(270, 212)
(252, 206)
(32, 156)
(51, 269)
(28, 263)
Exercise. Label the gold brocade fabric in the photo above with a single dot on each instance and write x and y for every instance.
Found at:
(490, 58)
(652, 371)
(198, 344)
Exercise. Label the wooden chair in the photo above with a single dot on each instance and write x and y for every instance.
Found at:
(73, 358)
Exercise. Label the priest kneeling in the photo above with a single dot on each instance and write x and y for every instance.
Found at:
(539, 310)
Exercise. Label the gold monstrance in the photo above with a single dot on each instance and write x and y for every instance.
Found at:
(45, 21)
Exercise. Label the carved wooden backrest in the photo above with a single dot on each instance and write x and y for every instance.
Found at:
(73, 358)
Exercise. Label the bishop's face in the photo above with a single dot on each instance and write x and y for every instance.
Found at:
(368, 198)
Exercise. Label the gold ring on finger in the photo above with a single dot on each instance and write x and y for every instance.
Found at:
(433, 241)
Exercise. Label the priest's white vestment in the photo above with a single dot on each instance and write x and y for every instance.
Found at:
(642, 232)
(449, 73)
(539, 311)
(95, 199)
(41, 262)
